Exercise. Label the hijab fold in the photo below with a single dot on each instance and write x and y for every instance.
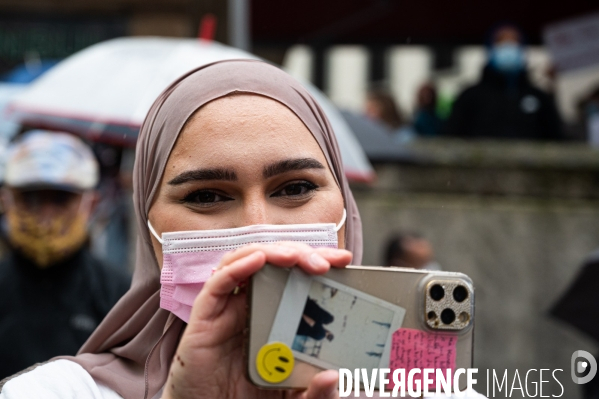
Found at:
(131, 350)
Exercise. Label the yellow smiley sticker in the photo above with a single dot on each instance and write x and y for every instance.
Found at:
(274, 362)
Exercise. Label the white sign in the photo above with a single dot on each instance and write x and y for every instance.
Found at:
(574, 44)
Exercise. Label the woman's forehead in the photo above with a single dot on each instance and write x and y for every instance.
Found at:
(245, 126)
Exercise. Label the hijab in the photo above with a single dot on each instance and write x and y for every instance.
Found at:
(132, 349)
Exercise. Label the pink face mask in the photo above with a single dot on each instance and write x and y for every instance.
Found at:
(189, 257)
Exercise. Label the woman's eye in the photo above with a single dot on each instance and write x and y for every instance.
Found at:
(205, 197)
(295, 189)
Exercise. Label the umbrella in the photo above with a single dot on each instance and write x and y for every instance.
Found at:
(104, 92)
(8, 129)
(579, 306)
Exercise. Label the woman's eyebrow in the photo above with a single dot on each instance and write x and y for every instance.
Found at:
(289, 165)
(204, 174)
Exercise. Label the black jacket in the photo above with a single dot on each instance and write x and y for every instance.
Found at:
(51, 312)
(504, 107)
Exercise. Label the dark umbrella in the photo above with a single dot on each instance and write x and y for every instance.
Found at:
(579, 306)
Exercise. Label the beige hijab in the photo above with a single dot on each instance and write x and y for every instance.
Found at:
(132, 349)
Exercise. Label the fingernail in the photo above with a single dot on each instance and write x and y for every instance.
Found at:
(318, 261)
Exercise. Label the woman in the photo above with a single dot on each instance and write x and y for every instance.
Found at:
(231, 144)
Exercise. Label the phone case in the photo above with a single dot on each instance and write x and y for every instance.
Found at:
(380, 317)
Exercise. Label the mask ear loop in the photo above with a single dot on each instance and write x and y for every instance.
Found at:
(342, 222)
(160, 240)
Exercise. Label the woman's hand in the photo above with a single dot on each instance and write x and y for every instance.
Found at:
(209, 361)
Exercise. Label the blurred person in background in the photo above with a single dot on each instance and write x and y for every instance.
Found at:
(409, 249)
(381, 107)
(427, 122)
(576, 307)
(588, 116)
(110, 231)
(53, 292)
(505, 104)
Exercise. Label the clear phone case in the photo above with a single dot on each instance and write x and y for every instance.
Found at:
(378, 317)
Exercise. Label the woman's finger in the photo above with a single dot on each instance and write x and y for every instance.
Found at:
(214, 294)
(315, 260)
(323, 386)
(241, 264)
(285, 256)
(288, 254)
(336, 257)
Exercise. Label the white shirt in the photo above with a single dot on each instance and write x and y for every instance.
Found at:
(60, 379)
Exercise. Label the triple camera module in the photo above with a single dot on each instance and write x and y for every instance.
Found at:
(448, 305)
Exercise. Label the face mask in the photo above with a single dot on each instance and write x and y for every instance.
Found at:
(189, 257)
(507, 57)
(47, 243)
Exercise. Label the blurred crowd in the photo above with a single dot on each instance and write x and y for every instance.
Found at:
(503, 104)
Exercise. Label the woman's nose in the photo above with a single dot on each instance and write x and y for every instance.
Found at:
(255, 212)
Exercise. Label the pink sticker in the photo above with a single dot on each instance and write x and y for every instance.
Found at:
(420, 349)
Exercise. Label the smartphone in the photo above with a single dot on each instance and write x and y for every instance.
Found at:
(359, 317)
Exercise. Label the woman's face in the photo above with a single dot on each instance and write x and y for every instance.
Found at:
(244, 160)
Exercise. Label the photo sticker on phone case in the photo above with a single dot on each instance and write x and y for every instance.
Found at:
(331, 325)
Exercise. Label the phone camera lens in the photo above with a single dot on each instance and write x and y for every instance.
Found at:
(447, 316)
(460, 293)
(437, 292)
(464, 317)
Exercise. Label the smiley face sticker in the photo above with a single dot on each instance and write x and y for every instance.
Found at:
(274, 362)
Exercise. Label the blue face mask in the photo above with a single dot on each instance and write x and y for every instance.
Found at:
(507, 57)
